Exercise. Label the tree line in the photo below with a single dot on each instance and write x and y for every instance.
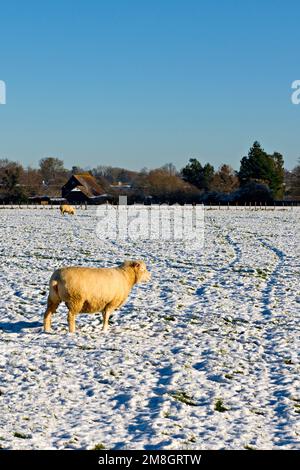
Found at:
(260, 178)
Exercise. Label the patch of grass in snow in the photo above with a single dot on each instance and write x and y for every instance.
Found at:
(223, 352)
(247, 447)
(234, 320)
(244, 271)
(169, 318)
(86, 348)
(263, 273)
(296, 405)
(219, 406)
(187, 366)
(99, 446)
(190, 440)
(228, 376)
(74, 440)
(20, 435)
(40, 256)
(183, 397)
(258, 412)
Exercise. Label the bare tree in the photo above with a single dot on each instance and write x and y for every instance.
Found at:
(225, 180)
(170, 168)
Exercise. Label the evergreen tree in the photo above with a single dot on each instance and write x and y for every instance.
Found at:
(197, 175)
(208, 174)
(263, 168)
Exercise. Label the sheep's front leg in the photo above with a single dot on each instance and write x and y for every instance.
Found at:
(106, 314)
(71, 321)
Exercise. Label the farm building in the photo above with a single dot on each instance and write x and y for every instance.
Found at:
(120, 186)
(83, 188)
(45, 200)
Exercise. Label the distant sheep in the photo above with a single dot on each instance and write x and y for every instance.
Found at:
(66, 209)
(90, 290)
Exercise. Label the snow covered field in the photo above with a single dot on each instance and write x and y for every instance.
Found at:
(206, 356)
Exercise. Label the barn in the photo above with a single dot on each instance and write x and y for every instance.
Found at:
(83, 188)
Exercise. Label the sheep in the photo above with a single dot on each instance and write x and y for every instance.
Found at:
(91, 290)
(66, 209)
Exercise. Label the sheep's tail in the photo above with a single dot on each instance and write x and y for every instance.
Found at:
(54, 287)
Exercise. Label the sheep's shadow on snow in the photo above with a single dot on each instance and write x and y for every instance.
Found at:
(19, 326)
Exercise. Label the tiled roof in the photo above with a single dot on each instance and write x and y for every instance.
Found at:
(88, 185)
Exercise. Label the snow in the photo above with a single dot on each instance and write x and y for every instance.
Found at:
(213, 329)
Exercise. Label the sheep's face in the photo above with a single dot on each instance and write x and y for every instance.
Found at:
(141, 272)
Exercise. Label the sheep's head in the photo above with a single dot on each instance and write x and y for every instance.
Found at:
(140, 270)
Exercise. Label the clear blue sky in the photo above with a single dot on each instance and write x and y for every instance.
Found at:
(141, 83)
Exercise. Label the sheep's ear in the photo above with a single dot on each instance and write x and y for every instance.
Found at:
(135, 264)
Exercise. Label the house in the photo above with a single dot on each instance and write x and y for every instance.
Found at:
(83, 188)
(45, 200)
(120, 186)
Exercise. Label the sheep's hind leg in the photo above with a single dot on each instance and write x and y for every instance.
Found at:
(51, 308)
(71, 320)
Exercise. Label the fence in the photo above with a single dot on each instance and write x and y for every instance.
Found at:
(255, 206)
(34, 206)
(277, 205)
